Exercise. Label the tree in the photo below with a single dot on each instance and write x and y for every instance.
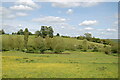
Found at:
(58, 44)
(26, 35)
(37, 33)
(14, 33)
(20, 32)
(19, 42)
(58, 34)
(2, 32)
(85, 45)
(30, 33)
(40, 44)
(50, 32)
(81, 37)
(46, 31)
(107, 49)
(88, 36)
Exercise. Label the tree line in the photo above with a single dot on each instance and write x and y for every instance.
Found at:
(44, 38)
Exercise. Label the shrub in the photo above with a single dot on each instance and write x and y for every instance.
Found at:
(95, 49)
(85, 45)
(71, 44)
(40, 44)
(107, 49)
(58, 44)
(30, 49)
(19, 43)
(114, 48)
(48, 43)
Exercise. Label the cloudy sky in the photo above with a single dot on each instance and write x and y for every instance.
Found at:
(67, 18)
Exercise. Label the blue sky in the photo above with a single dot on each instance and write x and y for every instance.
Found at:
(69, 18)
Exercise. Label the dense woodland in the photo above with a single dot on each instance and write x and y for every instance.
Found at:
(43, 40)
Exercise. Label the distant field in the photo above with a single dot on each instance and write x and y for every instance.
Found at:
(115, 40)
(73, 65)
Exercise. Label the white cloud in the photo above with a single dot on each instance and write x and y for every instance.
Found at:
(88, 28)
(62, 27)
(11, 16)
(88, 23)
(89, 4)
(27, 2)
(73, 4)
(100, 29)
(109, 30)
(69, 11)
(21, 7)
(65, 4)
(4, 11)
(21, 14)
(19, 25)
(50, 19)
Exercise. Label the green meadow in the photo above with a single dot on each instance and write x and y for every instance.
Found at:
(57, 57)
(69, 64)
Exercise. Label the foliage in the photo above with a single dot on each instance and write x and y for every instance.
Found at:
(46, 31)
(26, 35)
(37, 33)
(114, 47)
(58, 44)
(16, 42)
(57, 34)
(85, 45)
(48, 43)
(88, 36)
(2, 32)
(107, 49)
(20, 32)
(40, 44)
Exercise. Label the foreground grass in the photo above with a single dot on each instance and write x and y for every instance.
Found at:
(73, 65)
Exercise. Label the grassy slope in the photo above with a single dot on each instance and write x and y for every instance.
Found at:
(31, 37)
(74, 65)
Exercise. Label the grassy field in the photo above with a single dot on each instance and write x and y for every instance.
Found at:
(72, 64)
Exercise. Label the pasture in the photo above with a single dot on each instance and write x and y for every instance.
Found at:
(71, 64)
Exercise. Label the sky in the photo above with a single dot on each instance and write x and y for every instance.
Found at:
(66, 18)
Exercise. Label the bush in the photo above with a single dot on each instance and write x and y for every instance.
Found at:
(30, 49)
(40, 44)
(58, 44)
(114, 48)
(85, 45)
(107, 49)
(71, 44)
(95, 49)
(48, 43)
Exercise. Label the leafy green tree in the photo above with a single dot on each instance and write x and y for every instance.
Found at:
(81, 37)
(58, 44)
(26, 36)
(107, 49)
(44, 31)
(14, 33)
(40, 44)
(19, 42)
(48, 42)
(50, 32)
(88, 36)
(37, 33)
(20, 32)
(2, 32)
(30, 33)
(58, 34)
(85, 45)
